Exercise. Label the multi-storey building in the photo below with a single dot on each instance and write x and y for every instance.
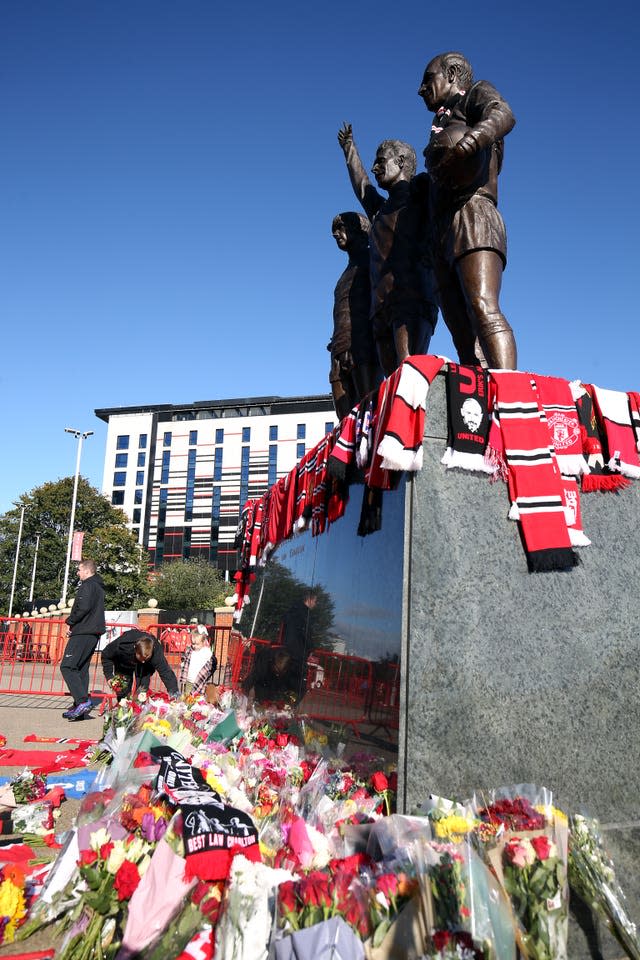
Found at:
(183, 472)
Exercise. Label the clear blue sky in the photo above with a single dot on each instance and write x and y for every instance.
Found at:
(169, 172)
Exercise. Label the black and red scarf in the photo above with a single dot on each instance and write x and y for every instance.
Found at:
(467, 419)
(213, 832)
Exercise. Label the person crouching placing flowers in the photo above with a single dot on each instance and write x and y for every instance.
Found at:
(136, 655)
(197, 664)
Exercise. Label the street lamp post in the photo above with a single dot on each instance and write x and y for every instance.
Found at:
(80, 435)
(15, 565)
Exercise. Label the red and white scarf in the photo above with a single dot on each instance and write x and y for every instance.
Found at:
(535, 485)
(564, 426)
(612, 410)
(401, 445)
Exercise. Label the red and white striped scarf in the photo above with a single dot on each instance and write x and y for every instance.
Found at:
(534, 481)
(612, 410)
(564, 426)
(403, 428)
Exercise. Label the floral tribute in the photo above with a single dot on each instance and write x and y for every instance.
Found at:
(313, 850)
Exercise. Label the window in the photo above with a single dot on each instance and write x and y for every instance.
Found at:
(137, 497)
(191, 479)
(164, 474)
(244, 476)
(136, 515)
(141, 459)
(273, 432)
(302, 431)
(167, 440)
(273, 464)
(142, 442)
(122, 443)
(140, 477)
(220, 435)
(119, 479)
(217, 464)
(299, 450)
(117, 498)
(246, 434)
(328, 427)
(193, 438)
(121, 459)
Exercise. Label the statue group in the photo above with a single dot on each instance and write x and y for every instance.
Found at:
(435, 241)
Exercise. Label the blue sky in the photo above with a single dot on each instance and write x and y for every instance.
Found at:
(170, 170)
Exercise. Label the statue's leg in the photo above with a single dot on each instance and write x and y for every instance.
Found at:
(420, 330)
(387, 354)
(367, 378)
(480, 275)
(455, 313)
(343, 399)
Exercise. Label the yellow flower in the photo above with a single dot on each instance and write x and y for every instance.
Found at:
(551, 813)
(214, 783)
(452, 827)
(12, 905)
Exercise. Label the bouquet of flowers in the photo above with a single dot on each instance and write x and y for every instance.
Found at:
(523, 839)
(28, 786)
(592, 876)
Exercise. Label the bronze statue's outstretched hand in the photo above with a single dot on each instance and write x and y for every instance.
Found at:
(345, 136)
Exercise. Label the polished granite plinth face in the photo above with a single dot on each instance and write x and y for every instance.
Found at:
(511, 677)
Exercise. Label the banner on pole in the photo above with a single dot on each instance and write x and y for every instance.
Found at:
(76, 545)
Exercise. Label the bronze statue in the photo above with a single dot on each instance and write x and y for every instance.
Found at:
(468, 237)
(354, 364)
(403, 302)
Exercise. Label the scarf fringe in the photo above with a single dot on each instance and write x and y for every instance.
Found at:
(626, 469)
(573, 464)
(494, 459)
(594, 482)
(578, 538)
(397, 457)
(514, 512)
(553, 559)
(475, 462)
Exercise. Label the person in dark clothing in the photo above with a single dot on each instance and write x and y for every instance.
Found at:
(137, 654)
(271, 677)
(293, 637)
(86, 624)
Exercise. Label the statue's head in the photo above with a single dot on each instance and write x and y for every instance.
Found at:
(395, 160)
(351, 231)
(444, 76)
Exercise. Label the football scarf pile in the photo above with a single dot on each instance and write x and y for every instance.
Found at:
(402, 431)
(213, 831)
(600, 477)
(535, 486)
(614, 417)
(467, 419)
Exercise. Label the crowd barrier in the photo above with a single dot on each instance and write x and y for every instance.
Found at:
(361, 694)
(31, 650)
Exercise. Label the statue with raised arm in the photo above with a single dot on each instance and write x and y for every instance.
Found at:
(355, 371)
(468, 237)
(403, 303)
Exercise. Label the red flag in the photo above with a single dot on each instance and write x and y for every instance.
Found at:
(76, 545)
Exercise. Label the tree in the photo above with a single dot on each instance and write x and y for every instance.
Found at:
(108, 541)
(189, 585)
(281, 590)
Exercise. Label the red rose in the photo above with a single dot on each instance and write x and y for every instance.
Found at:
(353, 864)
(388, 885)
(126, 880)
(542, 847)
(379, 782)
(440, 939)
(287, 896)
(314, 890)
(282, 739)
(87, 857)
(105, 850)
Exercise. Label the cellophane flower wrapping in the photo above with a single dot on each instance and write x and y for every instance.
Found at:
(523, 839)
(592, 876)
(248, 911)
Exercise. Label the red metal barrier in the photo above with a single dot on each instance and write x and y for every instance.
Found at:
(359, 693)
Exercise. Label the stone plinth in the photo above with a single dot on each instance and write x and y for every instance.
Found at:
(511, 677)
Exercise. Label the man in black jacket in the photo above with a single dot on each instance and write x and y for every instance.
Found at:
(136, 654)
(86, 623)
